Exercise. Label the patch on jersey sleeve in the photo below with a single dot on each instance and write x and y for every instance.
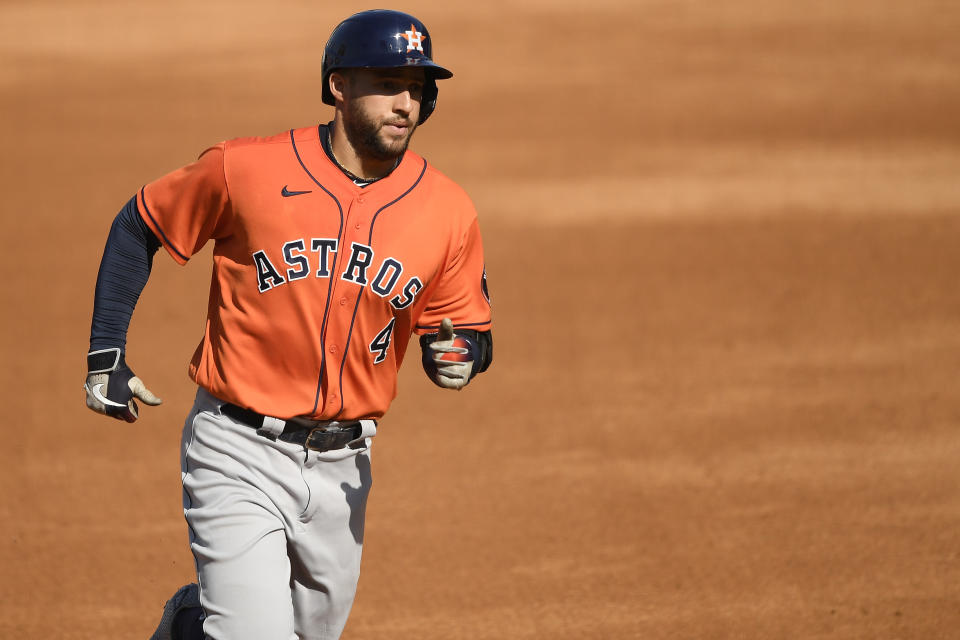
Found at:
(483, 286)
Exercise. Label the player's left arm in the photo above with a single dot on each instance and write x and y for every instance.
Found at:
(451, 358)
(456, 337)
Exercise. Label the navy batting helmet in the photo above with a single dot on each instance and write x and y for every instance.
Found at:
(382, 39)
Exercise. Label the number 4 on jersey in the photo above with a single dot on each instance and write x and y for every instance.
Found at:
(381, 343)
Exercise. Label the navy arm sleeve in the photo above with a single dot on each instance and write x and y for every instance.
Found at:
(124, 270)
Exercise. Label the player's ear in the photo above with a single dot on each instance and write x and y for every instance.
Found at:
(338, 84)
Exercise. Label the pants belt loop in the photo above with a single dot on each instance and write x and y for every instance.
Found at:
(272, 427)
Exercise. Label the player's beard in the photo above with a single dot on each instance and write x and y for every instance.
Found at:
(363, 132)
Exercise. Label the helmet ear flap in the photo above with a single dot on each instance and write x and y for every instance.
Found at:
(429, 100)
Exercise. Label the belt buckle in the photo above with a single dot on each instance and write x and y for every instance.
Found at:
(330, 430)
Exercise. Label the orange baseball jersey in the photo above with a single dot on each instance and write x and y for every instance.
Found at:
(317, 283)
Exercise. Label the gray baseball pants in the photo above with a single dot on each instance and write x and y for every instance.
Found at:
(276, 530)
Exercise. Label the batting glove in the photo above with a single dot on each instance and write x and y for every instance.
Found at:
(112, 387)
(449, 360)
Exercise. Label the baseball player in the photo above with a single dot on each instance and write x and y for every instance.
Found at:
(333, 245)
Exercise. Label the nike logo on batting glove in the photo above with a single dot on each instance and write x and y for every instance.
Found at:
(99, 397)
(108, 372)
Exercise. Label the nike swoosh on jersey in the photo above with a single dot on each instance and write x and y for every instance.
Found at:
(95, 392)
(286, 193)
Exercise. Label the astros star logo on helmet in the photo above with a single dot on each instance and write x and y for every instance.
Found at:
(414, 39)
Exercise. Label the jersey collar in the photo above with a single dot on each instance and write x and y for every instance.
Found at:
(407, 169)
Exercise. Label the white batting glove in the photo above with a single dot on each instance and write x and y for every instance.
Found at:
(449, 362)
(112, 387)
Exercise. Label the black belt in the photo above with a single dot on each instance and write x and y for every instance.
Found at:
(317, 436)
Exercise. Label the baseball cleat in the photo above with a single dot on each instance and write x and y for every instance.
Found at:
(186, 596)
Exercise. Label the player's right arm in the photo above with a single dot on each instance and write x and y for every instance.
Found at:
(111, 387)
(180, 211)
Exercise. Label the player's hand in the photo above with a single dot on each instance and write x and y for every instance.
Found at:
(449, 359)
(112, 388)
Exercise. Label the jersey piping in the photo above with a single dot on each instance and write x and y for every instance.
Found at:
(468, 324)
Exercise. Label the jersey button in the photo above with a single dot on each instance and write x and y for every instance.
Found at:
(333, 348)
(356, 226)
(343, 301)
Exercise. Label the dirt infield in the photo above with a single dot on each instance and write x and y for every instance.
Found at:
(723, 252)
